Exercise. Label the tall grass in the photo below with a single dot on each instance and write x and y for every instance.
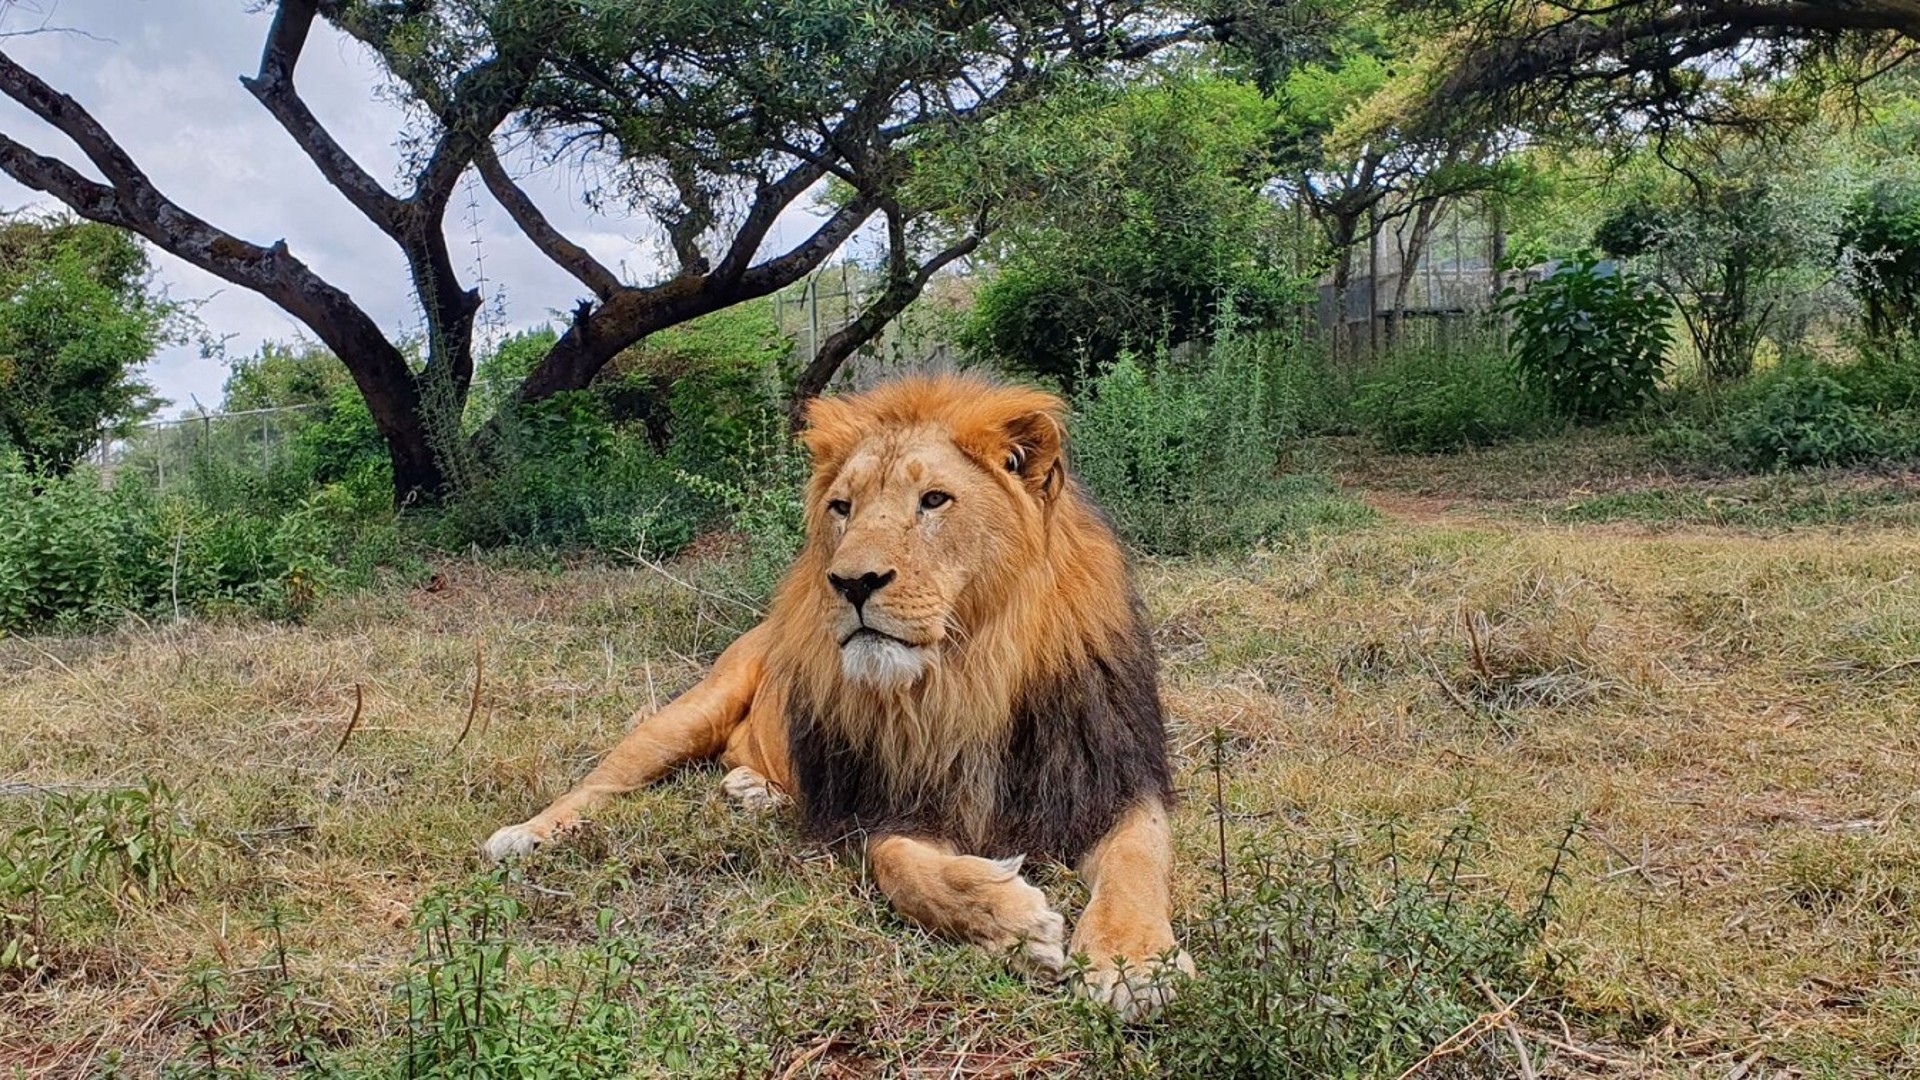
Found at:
(1194, 452)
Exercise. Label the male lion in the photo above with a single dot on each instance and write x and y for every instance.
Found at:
(956, 672)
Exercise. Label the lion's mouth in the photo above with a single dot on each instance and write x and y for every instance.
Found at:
(868, 633)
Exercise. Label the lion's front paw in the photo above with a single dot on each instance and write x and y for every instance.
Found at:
(518, 839)
(1135, 989)
(1024, 927)
(751, 791)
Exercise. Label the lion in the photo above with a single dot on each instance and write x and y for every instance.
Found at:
(956, 674)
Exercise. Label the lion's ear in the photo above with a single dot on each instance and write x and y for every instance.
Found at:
(1034, 442)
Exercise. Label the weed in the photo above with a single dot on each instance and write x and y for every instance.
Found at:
(1321, 963)
(1446, 399)
(1192, 455)
(78, 854)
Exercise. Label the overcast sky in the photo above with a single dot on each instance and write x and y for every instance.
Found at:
(163, 76)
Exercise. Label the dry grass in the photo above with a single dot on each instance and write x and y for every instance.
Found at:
(1733, 717)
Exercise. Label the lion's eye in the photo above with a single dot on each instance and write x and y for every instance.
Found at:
(839, 508)
(934, 500)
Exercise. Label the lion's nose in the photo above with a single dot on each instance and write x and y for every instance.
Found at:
(857, 589)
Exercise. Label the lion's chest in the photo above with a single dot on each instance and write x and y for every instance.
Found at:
(1045, 775)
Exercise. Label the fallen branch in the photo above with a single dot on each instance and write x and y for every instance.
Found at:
(1468, 1035)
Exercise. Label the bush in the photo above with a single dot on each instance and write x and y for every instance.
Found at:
(562, 476)
(76, 552)
(1880, 256)
(1589, 338)
(1144, 221)
(1325, 964)
(1435, 401)
(1189, 455)
(1803, 419)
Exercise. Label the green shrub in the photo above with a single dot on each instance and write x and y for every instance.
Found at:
(1880, 256)
(1885, 377)
(1590, 338)
(1325, 964)
(80, 856)
(1803, 419)
(562, 476)
(479, 1003)
(76, 552)
(1438, 400)
(1189, 455)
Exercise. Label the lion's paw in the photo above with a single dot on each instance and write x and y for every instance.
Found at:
(518, 839)
(751, 791)
(1032, 934)
(1135, 989)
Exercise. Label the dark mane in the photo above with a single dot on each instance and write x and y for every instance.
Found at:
(1083, 747)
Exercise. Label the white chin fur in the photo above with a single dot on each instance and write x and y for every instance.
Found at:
(882, 662)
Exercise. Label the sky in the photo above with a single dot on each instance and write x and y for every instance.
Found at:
(163, 77)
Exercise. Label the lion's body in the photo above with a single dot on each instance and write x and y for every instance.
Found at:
(956, 671)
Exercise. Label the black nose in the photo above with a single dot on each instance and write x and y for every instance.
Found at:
(856, 590)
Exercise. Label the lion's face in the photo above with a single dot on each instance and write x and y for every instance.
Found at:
(916, 526)
(910, 523)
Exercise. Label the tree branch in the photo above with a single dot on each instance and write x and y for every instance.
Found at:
(130, 201)
(904, 285)
(769, 201)
(273, 88)
(565, 254)
(784, 270)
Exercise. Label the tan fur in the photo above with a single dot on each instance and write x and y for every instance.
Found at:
(1012, 577)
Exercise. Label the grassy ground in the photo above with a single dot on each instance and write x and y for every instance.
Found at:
(1594, 477)
(1730, 718)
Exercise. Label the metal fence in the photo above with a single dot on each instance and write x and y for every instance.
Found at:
(1408, 289)
(166, 452)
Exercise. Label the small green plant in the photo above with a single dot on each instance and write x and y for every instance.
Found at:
(76, 857)
(1191, 454)
(479, 1003)
(1322, 963)
(1590, 338)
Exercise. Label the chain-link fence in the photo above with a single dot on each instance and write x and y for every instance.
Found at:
(167, 452)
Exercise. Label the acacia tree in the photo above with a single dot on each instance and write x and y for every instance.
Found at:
(1343, 151)
(1648, 63)
(711, 119)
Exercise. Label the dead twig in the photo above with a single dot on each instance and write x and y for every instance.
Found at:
(807, 1056)
(1469, 1034)
(359, 699)
(473, 706)
(1512, 1030)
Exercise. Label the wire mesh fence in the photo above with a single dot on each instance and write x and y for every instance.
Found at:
(167, 452)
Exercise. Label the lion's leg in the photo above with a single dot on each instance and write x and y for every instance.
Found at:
(1127, 930)
(983, 901)
(692, 727)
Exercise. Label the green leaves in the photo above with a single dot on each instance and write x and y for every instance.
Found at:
(77, 319)
(1135, 217)
(1590, 338)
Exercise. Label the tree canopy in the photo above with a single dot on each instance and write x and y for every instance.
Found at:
(711, 120)
(78, 318)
